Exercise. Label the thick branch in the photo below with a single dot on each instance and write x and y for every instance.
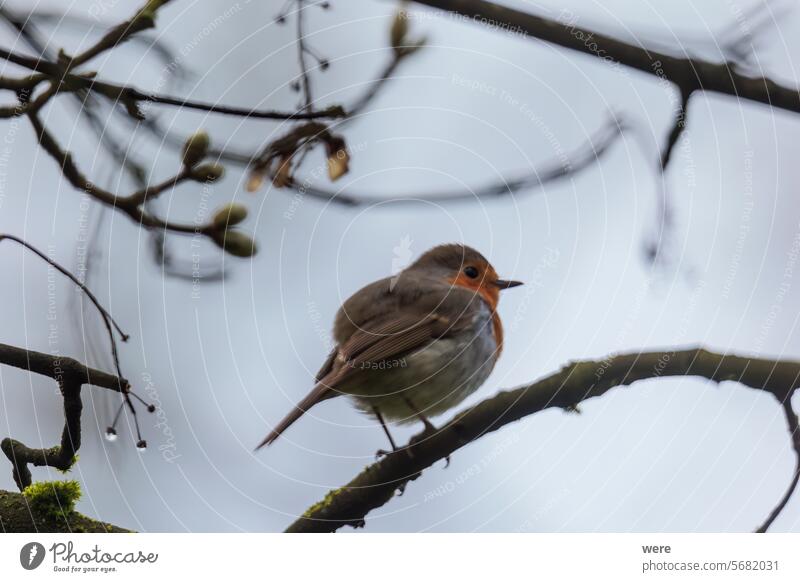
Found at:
(70, 375)
(689, 74)
(58, 367)
(61, 457)
(576, 382)
(17, 516)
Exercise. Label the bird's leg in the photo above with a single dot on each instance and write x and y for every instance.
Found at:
(430, 429)
(381, 452)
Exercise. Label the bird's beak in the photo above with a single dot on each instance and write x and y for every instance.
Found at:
(504, 284)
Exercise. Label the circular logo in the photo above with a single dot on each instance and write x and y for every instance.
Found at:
(31, 555)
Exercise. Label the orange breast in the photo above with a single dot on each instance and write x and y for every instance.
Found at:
(491, 295)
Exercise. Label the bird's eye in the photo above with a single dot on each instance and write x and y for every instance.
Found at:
(471, 272)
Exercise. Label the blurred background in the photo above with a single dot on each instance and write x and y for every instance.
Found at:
(225, 358)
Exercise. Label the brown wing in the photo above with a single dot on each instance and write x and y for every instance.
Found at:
(391, 338)
(327, 366)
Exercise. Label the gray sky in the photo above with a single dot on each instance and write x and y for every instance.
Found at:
(228, 359)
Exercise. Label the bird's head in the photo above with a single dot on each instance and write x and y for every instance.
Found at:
(463, 266)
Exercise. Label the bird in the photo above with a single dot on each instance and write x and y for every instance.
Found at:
(414, 345)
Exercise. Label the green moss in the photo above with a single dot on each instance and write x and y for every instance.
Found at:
(72, 462)
(53, 499)
(16, 516)
(320, 505)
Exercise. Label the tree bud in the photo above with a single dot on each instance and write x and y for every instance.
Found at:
(236, 243)
(229, 215)
(195, 148)
(208, 172)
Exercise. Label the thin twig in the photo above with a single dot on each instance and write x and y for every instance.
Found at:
(561, 167)
(301, 56)
(73, 174)
(107, 319)
(794, 432)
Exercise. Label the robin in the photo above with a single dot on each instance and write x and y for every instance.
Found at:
(414, 345)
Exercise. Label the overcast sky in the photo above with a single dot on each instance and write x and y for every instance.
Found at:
(226, 360)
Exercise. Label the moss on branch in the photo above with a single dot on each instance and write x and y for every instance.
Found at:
(48, 508)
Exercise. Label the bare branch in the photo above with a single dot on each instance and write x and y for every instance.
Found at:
(690, 73)
(576, 382)
(70, 375)
(561, 167)
(128, 205)
(60, 457)
(794, 432)
(56, 367)
(678, 127)
(131, 95)
(301, 57)
(107, 319)
(143, 19)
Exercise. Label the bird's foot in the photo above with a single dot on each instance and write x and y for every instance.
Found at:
(430, 429)
(381, 453)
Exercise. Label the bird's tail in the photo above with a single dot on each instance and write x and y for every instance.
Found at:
(318, 394)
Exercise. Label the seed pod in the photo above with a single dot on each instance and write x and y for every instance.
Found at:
(399, 29)
(236, 243)
(229, 215)
(195, 148)
(208, 172)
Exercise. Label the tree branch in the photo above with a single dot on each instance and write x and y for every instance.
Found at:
(131, 206)
(561, 166)
(794, 431)
(108, 321)
(70, 375)
(17, 515)
(576, 382)
(59, 457)
(687, 73)
(131, 95)
(55, 367)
